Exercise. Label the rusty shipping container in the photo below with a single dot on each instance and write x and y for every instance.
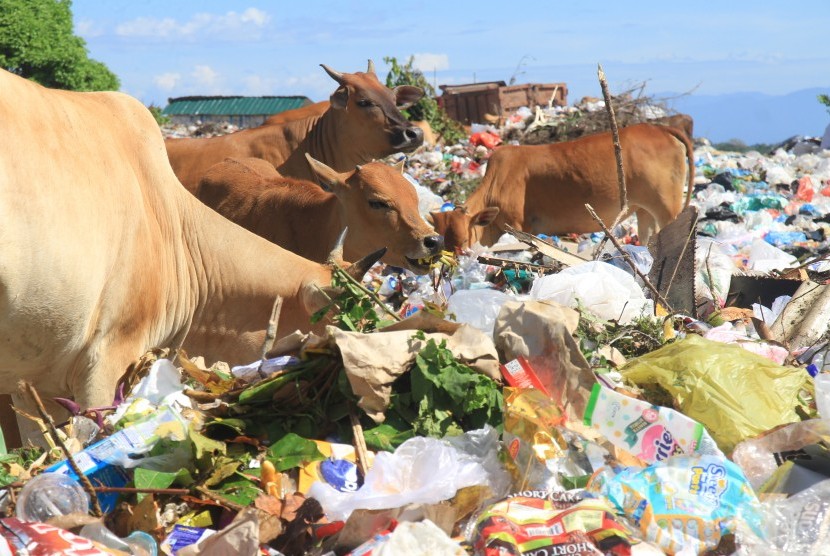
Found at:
(469, 103)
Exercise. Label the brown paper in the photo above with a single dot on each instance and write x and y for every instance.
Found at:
(540, 331)
(374, 361)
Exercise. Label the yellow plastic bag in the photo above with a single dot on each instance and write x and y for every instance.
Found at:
(735, 394)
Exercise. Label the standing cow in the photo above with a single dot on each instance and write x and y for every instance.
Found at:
(374, 201)
(104, 255)
(361, 123)
(544, 188)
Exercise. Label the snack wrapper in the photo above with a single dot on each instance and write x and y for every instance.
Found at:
(522, 525)
(650, 432)
(682, 502)
(544, 455)
(29, 538)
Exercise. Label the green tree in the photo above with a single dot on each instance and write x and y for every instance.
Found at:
(37, 42)
(825, 100)
(427, 108)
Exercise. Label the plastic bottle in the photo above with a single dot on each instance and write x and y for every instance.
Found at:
(137, 542)
(822, 385)
(49, 495)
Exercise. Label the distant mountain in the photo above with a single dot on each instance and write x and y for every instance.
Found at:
(754, 117)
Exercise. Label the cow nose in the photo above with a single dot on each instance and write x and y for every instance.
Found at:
(408, 138)
(434, 243)
(413, 135)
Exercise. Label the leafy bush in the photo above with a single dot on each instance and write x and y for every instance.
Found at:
(37, 42)
(427, 108)
(160, 118)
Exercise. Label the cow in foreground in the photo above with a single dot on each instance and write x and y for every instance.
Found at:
(103, 254)
(374, 201)
(361, 123)
(544, 188)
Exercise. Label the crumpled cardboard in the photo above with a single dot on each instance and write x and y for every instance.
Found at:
(374, 361)
(541, 332)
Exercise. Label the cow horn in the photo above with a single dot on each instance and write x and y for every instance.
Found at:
(361, 267)
(336, 255)
(336, 75)
(358, 167)
(371, 68)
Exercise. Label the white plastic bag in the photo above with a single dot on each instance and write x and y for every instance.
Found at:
(605, 290)
(478, 308)
(421, 471)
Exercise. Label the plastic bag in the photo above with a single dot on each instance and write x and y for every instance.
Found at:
(605, 290)
(28, 538)
(760, 457)
(765, 257)
(478, 308)
(792, 527)
(713, 276)
(735, 394)
(683, 502)
(421, 471)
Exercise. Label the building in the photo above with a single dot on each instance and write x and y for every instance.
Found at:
(238, 110)
(468, 104)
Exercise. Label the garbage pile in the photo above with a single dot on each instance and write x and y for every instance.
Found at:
(535, 397)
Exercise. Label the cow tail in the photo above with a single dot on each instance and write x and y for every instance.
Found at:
(690, 156)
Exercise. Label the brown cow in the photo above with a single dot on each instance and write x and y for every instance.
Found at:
(377, 204)
(544, 188)
(362, 123)
(683, 122)
(104, 254)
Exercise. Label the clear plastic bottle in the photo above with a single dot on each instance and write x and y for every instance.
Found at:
(137, 543)
(48, 495)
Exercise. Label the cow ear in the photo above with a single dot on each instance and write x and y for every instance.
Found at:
(430, 218)
(485, 217)
(407, 95)
(340, 98)
(326, 177)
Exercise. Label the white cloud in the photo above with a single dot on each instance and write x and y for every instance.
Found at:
(428, 62)
(246, 25)
(205, 76)
(88, 29)
(167, 81)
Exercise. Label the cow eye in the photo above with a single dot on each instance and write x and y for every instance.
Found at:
(379, 205)
(365, 103)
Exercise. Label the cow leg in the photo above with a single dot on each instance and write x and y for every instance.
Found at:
(646, 225)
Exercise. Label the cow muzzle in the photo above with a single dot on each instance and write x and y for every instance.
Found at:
(407, 139)
(432, 246)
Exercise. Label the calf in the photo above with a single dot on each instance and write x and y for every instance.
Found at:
(375, 201)
(361, 123)
(544, 188)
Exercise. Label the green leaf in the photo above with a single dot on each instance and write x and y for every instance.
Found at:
(239, 489)
(293, 451)
(222, 469)
(263, 391)
(385, 437)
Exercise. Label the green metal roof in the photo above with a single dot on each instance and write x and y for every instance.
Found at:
(232, 106)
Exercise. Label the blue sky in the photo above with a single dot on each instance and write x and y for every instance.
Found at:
(184, 47)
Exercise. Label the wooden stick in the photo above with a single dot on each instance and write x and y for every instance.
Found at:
(271, 332)
(221, 500)
(359, 442)
(90, 490)
(615, 133)
(628, 259)
(131, 490)
(353, 281)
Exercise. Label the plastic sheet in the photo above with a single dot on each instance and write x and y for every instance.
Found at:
(733, 393)
(603, 289)
(410, 475)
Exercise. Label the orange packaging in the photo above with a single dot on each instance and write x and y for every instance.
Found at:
(519, 374)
